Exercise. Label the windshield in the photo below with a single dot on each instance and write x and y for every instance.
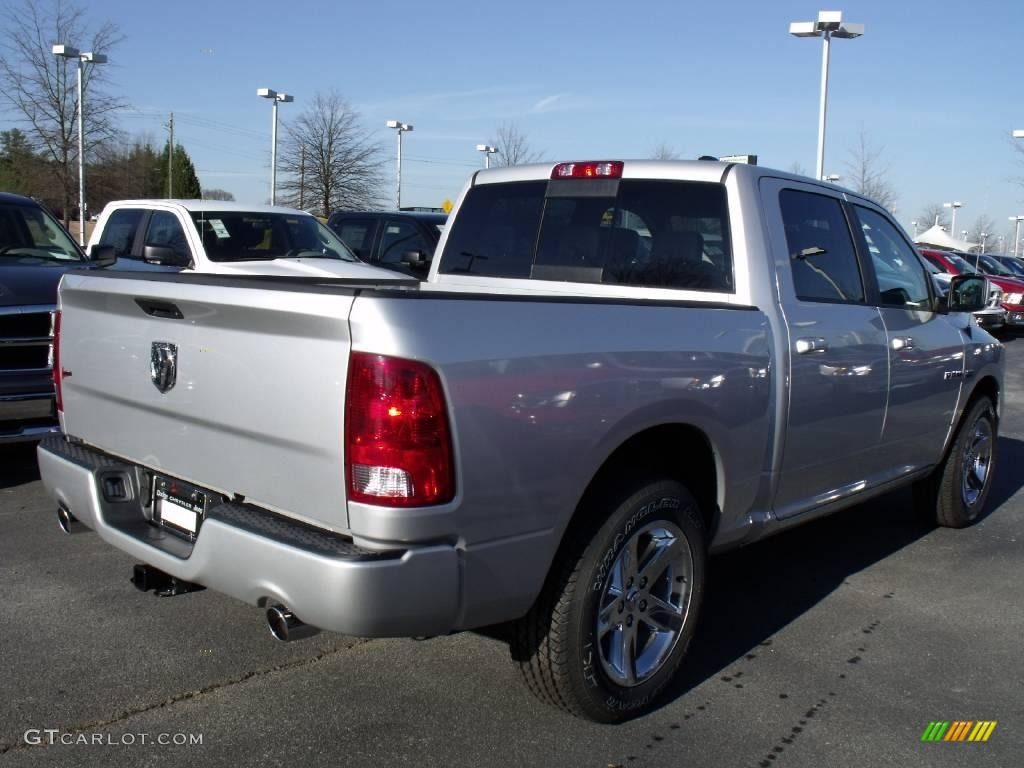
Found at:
(960, 263)
(259, 236)
(29, 235)
(1012, 264)
(992, 266)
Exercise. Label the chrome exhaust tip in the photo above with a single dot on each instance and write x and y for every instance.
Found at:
(68, 522)
(286, 626)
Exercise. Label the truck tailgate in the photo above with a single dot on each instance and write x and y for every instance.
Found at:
(257, 404)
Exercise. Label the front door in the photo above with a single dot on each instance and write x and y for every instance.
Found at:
(926, 350)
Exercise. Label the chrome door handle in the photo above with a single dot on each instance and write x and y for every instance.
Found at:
(902, 342)
(807, 345)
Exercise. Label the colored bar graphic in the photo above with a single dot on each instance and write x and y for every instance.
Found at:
(958, 730)
(935, 730)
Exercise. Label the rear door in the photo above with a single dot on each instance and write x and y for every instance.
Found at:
(256, 393)
(926, 351)
(838, 361)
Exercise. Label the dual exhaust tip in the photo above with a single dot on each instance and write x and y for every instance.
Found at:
(286, 626)
(68, 522)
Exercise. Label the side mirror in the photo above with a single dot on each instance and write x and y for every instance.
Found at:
(102, 255)
(165, 255)
(416, 259)
(967, 293)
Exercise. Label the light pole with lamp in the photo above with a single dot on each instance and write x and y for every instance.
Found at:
(1016, 232)
(829, 24)
(68, 52)
(954, 205)
(270, 93)
(488, 151)
(400, 128)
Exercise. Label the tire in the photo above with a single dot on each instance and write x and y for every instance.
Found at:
(598, 602)
(955, 495)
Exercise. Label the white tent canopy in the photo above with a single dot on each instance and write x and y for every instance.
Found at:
(937, 237)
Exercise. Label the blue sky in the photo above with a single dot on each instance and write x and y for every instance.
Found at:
(936, 85)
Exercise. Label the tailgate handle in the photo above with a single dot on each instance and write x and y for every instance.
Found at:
(164, 309)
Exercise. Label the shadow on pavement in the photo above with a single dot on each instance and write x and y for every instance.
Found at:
(755, 592)
(18, 464)
(1008, 479)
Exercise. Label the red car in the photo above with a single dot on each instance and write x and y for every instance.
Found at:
(1012, 288)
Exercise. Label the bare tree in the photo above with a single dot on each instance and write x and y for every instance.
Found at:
(797, 167)
(983, 226)
(932, 214)
(513, 147)
(42, 89)
(868, 172)
(664, 151)
(217, 194)
(329, 159)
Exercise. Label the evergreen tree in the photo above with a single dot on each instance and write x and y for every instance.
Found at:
(186, 183)
(20, 167)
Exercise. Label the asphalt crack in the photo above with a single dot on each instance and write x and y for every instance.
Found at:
(8, 744)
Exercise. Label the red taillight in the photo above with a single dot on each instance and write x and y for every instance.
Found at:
(57, 373)
(591, 170)
(397, 444)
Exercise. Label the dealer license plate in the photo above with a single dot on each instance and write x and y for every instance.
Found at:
(179, 506)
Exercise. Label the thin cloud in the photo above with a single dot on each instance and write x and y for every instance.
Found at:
(547, 104)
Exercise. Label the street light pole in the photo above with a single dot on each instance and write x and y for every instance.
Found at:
(1016, 233)
(954, 205)
(488, 151)
(70, 52)
(270, 93)
(400, 128)
(829, 24)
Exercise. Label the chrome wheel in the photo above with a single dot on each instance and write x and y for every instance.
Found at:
(977, 462)
(644, 603)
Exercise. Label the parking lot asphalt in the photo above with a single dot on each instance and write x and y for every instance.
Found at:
(835, 644)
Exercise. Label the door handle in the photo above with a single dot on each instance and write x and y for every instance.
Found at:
(900, 343)
(807, 345)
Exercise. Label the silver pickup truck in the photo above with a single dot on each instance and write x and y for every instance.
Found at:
(613, 370)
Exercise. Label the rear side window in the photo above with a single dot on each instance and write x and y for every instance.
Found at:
(495, 230)
(821, 253)
(664, 234)
(119, 231)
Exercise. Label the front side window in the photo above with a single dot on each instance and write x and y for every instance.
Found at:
(165, 229)
(901, 279)
(119, 231)
(399, 237)
(644, 233)
(822, 258)
(357, 234)
(252, 236)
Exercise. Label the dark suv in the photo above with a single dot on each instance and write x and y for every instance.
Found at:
(35, 252)
(399, 240)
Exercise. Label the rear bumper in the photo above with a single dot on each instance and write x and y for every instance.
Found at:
(262, 558)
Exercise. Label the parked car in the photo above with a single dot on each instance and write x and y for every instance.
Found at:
(992, 317)
(1012, 288)
(35, 252)
(399, 240)
(555, 429)
(218, 237)
(1011, 263)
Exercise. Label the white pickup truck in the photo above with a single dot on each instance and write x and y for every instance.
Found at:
(612, 370)
(228, 238)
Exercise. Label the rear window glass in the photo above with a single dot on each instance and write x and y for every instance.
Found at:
(665, 234)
